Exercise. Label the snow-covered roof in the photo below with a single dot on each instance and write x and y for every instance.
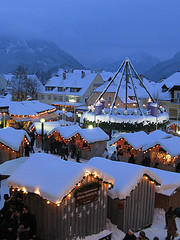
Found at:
(173, 80)
(126, 175)
(170, 181)
(72, 80)
(62, 176)
(139, 139)
(66, 131)
(93, 135)
(136, 139)
(8, 167)
(90, 135)
(25, 107)
(12, 138)
(48, 126)
(170, 145)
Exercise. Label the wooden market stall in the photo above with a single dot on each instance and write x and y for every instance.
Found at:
(164, 151)
(168, 194)
(12, 143)
(131, 201)
(70, 203)
(91, 142)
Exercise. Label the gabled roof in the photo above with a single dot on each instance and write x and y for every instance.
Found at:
(170, 181)
(90, 135)
(126, 175)
(12, 138)
(170, 145)
(63, 176)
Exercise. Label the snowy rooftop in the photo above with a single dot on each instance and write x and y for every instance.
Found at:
(8, 167)
(126, 175)
(12, 138)
(62, 176)
(90, 135)
(25, 107)
(170, 181)
(170, 145)
(139, 139)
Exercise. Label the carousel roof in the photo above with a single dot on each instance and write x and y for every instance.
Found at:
(170, 145)
(170, 181)
(126, 175)
(62, 176)
(12, 138)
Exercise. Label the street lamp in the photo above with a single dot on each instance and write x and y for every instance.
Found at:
(42, 120)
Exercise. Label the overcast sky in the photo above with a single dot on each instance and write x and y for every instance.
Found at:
(93, 29)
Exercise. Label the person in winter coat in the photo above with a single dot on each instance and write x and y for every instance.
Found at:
(171, 224)
(130, 235)
(9, 226)
(142, 236)
(132, 159)
(27, 228)
(114, 156)
(105, 153)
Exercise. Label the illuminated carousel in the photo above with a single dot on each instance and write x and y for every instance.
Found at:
(133, 113)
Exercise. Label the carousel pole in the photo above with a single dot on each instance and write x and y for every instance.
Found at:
(100, 96)
(130, 73)
(116, 94)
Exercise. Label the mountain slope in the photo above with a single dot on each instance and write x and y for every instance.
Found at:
(164, 69)
(141, 62)
(35, 55)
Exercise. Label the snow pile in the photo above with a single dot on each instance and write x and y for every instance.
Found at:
(96, 236)
(12, 138)
(126, 175)
(170, 181)
(53, 177)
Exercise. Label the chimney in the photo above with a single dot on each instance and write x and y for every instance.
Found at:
(64, 75)
(82, 74)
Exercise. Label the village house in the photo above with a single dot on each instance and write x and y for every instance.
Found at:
(131, 200)
(72, 200)
(71, 89)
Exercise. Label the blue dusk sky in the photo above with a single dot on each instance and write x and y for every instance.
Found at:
(95, 29)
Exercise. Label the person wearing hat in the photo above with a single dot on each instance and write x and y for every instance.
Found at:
(130, 235)
(142, 236)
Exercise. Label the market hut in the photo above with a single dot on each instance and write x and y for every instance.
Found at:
(130, 143)
(91, 142)
(174, 127)
(12, 143)
(165, 152)
(70, 203)
(131, 201)
(168, 194)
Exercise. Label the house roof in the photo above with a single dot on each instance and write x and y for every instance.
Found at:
(126, 175)
(170, 181)
(63, 176)
(170, 145)
(13, 138)
(90, 135)
(139, 139)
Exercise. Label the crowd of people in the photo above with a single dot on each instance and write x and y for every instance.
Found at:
(16, 221)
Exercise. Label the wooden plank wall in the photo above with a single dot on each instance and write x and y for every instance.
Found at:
(138, 208)
(68, 222)
(165, 202)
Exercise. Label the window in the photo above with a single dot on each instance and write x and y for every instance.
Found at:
(49, 97)
(60, 98)
(75, 89)
(49, 88)
(60, 89)
(109, 98)
(55, 97)
(42, 96)
(178, 96)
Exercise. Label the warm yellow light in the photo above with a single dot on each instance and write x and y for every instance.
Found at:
(109, 185)
(95, 175)
(24, 190)
(79, 184)
(48, 202)
(146, 177)
(152, 182)
(69, 195)
(37, 191)
(87, 173)
(90, 126)
(42, 120)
